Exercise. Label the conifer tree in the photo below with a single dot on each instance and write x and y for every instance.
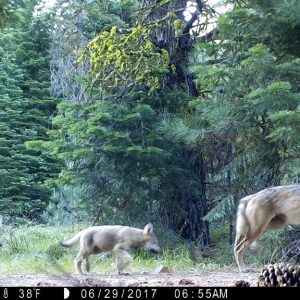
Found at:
(26, 108)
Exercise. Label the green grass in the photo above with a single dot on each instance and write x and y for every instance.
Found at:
(36, 249)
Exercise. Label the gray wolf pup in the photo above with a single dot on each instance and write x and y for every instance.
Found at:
(271, 208)
(116, 238)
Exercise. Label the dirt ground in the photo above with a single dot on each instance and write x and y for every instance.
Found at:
(214, 278)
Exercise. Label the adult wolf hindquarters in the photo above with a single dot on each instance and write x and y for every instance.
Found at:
(271, 208)
(116, 238)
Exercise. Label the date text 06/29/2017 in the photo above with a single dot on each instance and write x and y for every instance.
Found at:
(154, 293)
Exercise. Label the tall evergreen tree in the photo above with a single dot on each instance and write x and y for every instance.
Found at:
(26, 107)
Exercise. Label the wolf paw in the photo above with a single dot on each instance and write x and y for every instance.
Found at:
(124, 273)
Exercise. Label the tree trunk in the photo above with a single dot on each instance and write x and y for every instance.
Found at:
(186, 214)
(178, 46)
(190, 223)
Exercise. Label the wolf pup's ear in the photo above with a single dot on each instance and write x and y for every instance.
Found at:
(148, 229)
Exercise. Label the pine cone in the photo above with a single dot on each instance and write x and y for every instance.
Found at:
(242, 283)
(279, 275)
(261, 281)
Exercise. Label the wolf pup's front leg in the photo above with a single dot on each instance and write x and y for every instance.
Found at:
(123, 259)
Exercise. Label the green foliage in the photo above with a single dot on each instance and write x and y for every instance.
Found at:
(6, 12)
(221, 212)
(55, 251)
(270, 246)
(66, 206)
(16, 244)
(103, 143)
(24, 116)
(127, 59)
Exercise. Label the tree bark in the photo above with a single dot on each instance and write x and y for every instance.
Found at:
(190, 224)
(178, 46)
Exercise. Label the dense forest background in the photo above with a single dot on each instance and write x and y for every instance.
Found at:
(130, 111)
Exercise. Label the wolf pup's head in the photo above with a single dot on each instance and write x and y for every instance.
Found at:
(151, 243)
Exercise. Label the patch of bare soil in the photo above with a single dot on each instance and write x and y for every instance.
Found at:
(203, 279)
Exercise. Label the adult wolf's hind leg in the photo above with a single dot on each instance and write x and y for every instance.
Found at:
(79, 259)
(243, 241)
(78, 262)
(240, 244)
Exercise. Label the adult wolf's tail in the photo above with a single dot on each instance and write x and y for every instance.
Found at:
(72, 241)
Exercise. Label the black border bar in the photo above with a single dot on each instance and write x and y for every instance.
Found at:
(151, 293)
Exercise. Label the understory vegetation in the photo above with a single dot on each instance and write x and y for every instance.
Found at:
(35, 249)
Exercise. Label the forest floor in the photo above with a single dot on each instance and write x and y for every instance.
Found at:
(162, 279)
